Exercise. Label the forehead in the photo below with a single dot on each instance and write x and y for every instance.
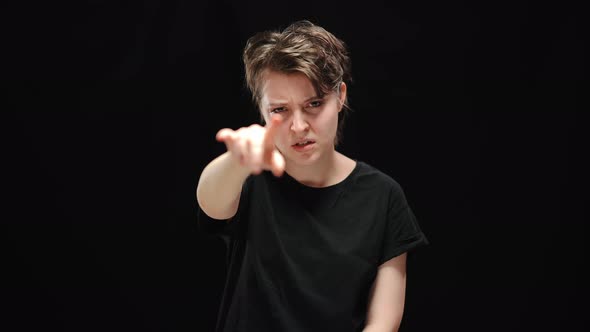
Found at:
(285, 86)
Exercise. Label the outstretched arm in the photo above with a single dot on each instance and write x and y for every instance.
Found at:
(249, 151)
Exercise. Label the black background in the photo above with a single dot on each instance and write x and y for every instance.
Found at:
(473, 109)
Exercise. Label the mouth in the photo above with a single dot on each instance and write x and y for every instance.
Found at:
(304, 143)
(303, 146)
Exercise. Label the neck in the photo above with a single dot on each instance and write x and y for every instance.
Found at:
(321, 174)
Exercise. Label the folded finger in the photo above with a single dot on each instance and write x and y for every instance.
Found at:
(278, 163)
(256, 158)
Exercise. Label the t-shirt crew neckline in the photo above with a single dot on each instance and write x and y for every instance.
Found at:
(302, 186)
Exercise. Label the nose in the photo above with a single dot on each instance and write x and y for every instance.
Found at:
(299, 123)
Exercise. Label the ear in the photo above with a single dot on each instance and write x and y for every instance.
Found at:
(342, 95)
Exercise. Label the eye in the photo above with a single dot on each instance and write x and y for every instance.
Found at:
(315, 103)
(277, 110)
(314, 106)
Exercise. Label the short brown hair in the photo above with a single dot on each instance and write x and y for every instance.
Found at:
(301, 47)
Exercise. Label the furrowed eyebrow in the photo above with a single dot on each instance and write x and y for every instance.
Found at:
(278, 104)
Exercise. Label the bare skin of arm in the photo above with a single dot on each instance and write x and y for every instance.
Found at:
(387, 297)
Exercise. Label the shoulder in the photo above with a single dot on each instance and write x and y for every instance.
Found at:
(368, 175)
(382, 187)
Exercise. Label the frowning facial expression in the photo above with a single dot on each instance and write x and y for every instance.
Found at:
(309, 122)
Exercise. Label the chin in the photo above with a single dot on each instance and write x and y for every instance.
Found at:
(303, 162)
(302, 159)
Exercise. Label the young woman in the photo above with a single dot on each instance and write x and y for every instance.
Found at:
(317, 241)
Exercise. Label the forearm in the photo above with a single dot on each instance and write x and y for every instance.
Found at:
(219, 187)
(387, 296)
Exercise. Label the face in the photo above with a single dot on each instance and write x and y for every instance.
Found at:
(306, 117)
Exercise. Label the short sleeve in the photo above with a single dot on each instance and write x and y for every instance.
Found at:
(402, 231)
(231, 228)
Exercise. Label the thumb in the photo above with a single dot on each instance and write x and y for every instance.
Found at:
(224, 134)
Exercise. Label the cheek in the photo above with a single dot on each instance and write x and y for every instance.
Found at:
(329, 124)
(281, 136)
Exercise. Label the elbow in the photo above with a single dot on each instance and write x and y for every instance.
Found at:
(219, 215)
(213, 211)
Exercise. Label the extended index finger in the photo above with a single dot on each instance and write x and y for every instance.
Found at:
(271, 130)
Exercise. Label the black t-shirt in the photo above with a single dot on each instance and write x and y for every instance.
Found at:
(304, 259)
